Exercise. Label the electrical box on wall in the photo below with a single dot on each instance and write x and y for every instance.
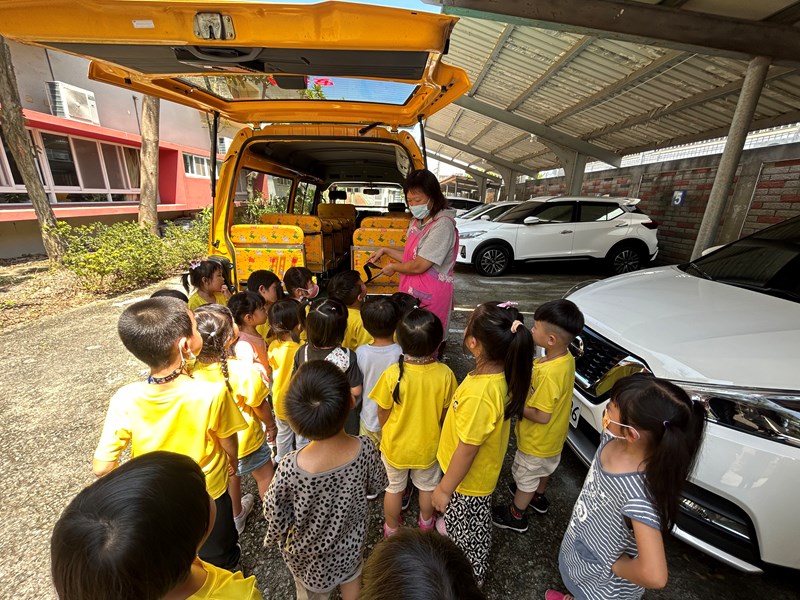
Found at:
(678, 197)
(72, 102)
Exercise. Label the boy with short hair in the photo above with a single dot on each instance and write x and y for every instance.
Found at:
(171, 411)
(349, 289)
(380, 317)
(542, 431)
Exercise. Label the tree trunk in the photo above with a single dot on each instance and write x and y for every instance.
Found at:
(148, 199)
(19, 144)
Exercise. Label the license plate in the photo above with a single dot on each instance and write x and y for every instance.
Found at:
(575, 413)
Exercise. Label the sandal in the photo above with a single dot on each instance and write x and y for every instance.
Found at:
(556, 595)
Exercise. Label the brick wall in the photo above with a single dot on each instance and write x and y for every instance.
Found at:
(776, 195)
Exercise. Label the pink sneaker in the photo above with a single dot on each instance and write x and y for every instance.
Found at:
(556, 595)
(440, 527)
(388, 531)
(426, 525)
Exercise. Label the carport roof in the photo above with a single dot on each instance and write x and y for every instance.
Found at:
(618, 95)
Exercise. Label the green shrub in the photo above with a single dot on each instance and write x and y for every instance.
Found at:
(123, 256)
(250, 210)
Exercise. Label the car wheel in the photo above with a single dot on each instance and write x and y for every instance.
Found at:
(492, 261)
(625, 258)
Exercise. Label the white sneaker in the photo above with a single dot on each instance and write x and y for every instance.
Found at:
(247, 506)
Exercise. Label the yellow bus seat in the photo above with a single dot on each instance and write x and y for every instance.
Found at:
(275, 248)
(398, 222)
(313, 236)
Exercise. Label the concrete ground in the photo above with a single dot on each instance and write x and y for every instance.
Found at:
(59, 372)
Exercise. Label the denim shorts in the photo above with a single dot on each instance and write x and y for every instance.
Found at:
(254, 460)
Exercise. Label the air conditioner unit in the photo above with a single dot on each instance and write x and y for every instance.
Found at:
(72, 102)
(223, 143)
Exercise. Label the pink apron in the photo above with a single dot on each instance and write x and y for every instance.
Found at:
(434, 289)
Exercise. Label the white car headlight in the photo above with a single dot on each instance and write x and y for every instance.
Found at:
(771, 414)
(468, 235)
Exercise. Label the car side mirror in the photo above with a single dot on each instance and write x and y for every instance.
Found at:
(531, 220)
(485, 218)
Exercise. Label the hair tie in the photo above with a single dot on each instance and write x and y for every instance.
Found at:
(515, 325)
(666, 424)
(193, 264)
(508, 304)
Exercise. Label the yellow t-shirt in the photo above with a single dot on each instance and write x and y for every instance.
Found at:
(355, 335)
(249, 390)
(476, 417)
(281, 360)
(195, 301)
(187, 418)
(410, 436)
(265, 332)
(224, 585)
(551, 392)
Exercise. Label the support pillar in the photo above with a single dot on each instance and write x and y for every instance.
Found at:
(507, 191)
(574, 165)
(481, 181)
(740, 125)
(739, 203)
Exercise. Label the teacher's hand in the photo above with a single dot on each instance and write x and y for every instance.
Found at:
(390, 269)
(375, 256)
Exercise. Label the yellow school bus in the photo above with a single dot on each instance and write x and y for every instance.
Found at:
(323, 93)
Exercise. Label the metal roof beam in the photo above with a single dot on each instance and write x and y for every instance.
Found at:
(566, 58)
(784, 119)
(541, 131)
(482, 133)
(641, 23)
(487, 66)
(465, 168)
(701, 98)
(513, 141)
(489, 158)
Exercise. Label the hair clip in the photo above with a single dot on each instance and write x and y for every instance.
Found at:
(508, 304)
(666, 424)
(193, 264)
(515, 325)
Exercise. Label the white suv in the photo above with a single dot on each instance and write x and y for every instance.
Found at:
(561, 228)
(726, 329)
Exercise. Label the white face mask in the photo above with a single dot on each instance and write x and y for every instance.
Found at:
(607, 420)
(420, 211)
(312, 291)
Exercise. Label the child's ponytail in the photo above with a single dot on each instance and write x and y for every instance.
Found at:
(674, 425)
(198, 271)
(396, 390)
(215, 325)
(504, 338)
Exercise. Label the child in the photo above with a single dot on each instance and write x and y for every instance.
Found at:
(117, 540)
(216, 327)
(171, 411)
(542, 430)
(206, 277)
(299, 283)
(325, 326)
(478, 424)
(412, 398)
(418, 564)
(614, 543)
(348, 287)
(170, 293)
(284, 321)
(267, 285)
(249, 311)
(405, 302)
(381, 316)
(316, 506)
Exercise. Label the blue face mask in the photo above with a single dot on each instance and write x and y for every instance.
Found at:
(420, 211)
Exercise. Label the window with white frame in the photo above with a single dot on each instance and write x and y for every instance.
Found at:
(198, 166)
(73, 169)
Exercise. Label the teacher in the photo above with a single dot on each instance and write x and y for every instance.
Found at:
(426, 262)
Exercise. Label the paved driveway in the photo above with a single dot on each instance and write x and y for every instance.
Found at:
(59, 372)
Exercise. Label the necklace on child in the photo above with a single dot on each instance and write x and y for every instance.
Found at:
(167, 378)
(418, 360)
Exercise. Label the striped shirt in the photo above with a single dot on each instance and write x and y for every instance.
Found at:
(598, 535)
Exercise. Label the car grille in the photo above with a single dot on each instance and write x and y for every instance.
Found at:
(599, 363)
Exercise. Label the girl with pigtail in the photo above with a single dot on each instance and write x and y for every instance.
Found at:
(412, 397)
(207, 278)
(614, 543)
(477, 427)
(219, 332)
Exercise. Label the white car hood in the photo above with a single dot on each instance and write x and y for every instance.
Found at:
(477, 225)
(693, 329)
